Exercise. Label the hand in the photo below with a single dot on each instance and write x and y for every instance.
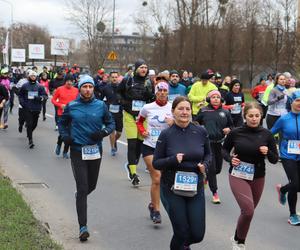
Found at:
(201, 168)
(264, 150)
(226, 131)
(200, 104)
(280, 97)
(169, 121)
(145, 134)
(98, 136)
(63, 106)
(68, 140)
(179, 157)
(235, 161)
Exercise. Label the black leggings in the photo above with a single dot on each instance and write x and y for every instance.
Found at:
(60, 141)
(187, 215)
(292, 170)
(86, 177)
(31, 118)
(21, 117)
(134, 151)
(215, 166)
(44, 104)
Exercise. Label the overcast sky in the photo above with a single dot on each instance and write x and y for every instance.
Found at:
(51, 14)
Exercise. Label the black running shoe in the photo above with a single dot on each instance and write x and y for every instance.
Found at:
(135, 180)
(156, 218)
(20, 128)
(31, 145)
(151, 210)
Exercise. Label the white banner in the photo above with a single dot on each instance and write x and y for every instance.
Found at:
(18, 55)
(59, 47)
(36, 51)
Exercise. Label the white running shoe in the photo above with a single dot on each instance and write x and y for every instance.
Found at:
(236, 245)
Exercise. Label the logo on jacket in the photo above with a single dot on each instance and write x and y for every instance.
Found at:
(222, 114)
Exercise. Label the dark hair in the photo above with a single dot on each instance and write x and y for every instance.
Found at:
(113, 72)
(180, 99)
(233, 82)
(277, 77)
(252, 105)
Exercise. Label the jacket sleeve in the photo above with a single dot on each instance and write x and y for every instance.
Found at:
(140, 125)
(273, 97)
(207, 154)
(160, 160)
(54, 99)
(22, 97)
(42, 92)
(272, 150)
(65, 122)
(229, 121)
(277, 126)
(108, 120)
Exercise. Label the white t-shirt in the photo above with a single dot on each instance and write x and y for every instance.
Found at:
(155, 116)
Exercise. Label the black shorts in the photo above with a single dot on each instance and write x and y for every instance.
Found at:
(118, 118)
(147, 150)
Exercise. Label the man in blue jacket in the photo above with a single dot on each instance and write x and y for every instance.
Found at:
(30, 97)
(83, 125)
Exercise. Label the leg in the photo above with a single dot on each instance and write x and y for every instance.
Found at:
(211, 175)
(5, 113)
(93, 173)
(36, 115)
(29, 123)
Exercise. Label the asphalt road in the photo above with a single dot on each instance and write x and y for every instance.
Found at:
(117, 213)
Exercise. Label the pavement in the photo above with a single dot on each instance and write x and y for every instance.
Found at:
(117, 213)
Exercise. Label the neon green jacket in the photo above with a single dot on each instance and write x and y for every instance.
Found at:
(198, 95)
(266, 94)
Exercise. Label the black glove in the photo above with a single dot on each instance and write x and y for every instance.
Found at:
(68, 140)
(97, 136)
(280, 97)
(37, 98)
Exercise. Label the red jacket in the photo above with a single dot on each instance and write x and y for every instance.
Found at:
(258, 89)
(63, 96)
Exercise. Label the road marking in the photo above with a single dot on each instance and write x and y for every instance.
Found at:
(121, 142)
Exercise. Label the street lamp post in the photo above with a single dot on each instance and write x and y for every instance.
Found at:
(11, 23)
(113, 25)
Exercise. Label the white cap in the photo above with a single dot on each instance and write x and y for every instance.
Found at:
(32, 73)
(151, 72)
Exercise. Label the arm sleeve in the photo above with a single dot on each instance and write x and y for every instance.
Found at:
(277, 126)
(64, 123)
(55, 97)
(160, 161)
(272, 97)
(140, 125)
(108, 121)
(227, 147)
(192, 95)
(207, 154)
(272, 152)
(229, 121)
(22, 96)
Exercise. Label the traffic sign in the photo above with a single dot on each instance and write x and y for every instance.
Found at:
(112, 56)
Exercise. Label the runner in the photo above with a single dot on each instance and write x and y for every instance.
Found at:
(235, 101)
(218, 124)
(175, 88)
(158, 116)
(3, 97)
(135, 94)
(221, 87)
(44, 81)
(113, 101)
(199, 92)
(30, 97)
(81, 127)
(182, 153)
(258, 93)
(251, 144)
(5, 81)
(289, 126)
(277, 101)
(62, 96)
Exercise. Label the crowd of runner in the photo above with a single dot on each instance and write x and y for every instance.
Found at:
(183, 126)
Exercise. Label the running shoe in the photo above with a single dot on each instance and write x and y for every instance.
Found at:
(30, 144)
(44, 118)
(65, 156)
(281, 196)
(5, 126)
(113, 152)
(57, 149)
(127, 169)
(294, 220)
(236, 245)
(56, 128)
(135, 180)
(151, 210)
(156, 218)
(20, 129)
(83, 234)
(185, 247)
(216, 199)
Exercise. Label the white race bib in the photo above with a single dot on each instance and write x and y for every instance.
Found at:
(185, 181)
(294, 147)
(172, 97)
(244, 171)
(90, 152)
(236, 109)
(137, 105)
(32, 94)
(154, 134)
(114, 108)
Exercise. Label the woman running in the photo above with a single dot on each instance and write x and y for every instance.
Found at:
(251, 144)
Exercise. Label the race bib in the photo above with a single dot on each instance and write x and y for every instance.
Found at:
(236, 109)
(186, 181)
(244, 171)
(137, 105)
(114, 108)
(172, 97)
(32, 94)
(237, 98)
(294, 147)
(90, 152)
(154, 134)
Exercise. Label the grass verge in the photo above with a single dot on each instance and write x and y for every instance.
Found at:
(18, 227)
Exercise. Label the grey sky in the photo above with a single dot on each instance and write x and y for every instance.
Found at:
(51, 14)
